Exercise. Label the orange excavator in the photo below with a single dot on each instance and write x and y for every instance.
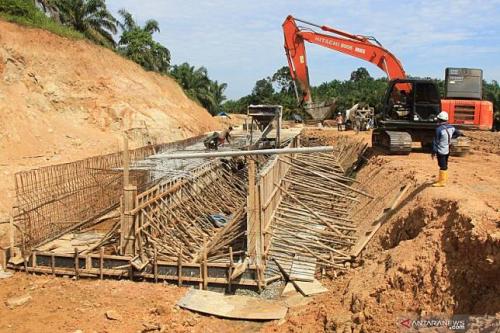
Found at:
(410, 106)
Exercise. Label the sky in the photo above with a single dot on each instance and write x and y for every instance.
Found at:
(240, 42)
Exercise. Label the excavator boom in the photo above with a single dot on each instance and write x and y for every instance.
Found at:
(362, 47)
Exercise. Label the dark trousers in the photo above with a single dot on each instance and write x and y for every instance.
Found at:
(443, 161)
(339, 127)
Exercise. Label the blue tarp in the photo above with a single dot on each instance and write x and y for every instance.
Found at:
(219, 220)
(223, 114)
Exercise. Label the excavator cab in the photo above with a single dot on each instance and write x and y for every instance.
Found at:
(409, 114)
(411, 101)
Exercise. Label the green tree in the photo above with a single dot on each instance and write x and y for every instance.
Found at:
(263, 92)
(491, 92)
(218, 97)
(17, 8)
(283, 80)
(197, 85)
(49, 7)
(360, 74)
(194, 81)
(361, 88)
(137, 44)
(90, 17)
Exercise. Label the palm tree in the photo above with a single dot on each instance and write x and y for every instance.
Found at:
(217, 92)
(194, 81)
(90, 17)
(197, 85)
(137, 44)
(49, 8)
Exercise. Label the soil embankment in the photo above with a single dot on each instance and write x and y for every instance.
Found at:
(63, 100)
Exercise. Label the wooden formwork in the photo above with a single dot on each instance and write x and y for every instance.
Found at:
(102, 265)
(56, 198)
(262, 200)
(177, 212)
(163, 232)
(159, 205)
(311, 226)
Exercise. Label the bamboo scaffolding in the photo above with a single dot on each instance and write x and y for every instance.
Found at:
(313, 217)
(181, 217)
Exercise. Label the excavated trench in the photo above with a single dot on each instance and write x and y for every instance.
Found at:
(428, 257)
(456, 270)
(429, 261)
(191, 226)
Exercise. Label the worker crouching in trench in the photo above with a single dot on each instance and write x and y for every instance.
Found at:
(441, 146)
(217, 139)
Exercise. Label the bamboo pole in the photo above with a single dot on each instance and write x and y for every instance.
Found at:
(302, 150)
(101, 263)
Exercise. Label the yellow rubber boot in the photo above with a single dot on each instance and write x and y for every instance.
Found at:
(443, 176)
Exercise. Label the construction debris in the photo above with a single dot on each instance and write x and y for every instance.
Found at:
(16, 301)
(304, 288)
(234, 306)
(310, 288)
(113, 315)
(4, 274)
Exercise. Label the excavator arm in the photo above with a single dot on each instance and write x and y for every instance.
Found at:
(362, 47)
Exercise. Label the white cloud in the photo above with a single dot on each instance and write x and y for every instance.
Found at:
(241, 41)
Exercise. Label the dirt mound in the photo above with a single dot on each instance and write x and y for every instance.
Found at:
(481, 141)
(434, 262)
(62, 100)
(232, 119)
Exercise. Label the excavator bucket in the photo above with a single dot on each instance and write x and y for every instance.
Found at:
(320, 111)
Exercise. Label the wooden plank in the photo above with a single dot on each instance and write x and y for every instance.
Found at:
(303, 268)
(289, 289)
(286, 275)
(310, 288)
(239, 269)
(363, 241)
(233, 306)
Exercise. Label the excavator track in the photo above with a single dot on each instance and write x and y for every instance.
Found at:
(395, 142)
